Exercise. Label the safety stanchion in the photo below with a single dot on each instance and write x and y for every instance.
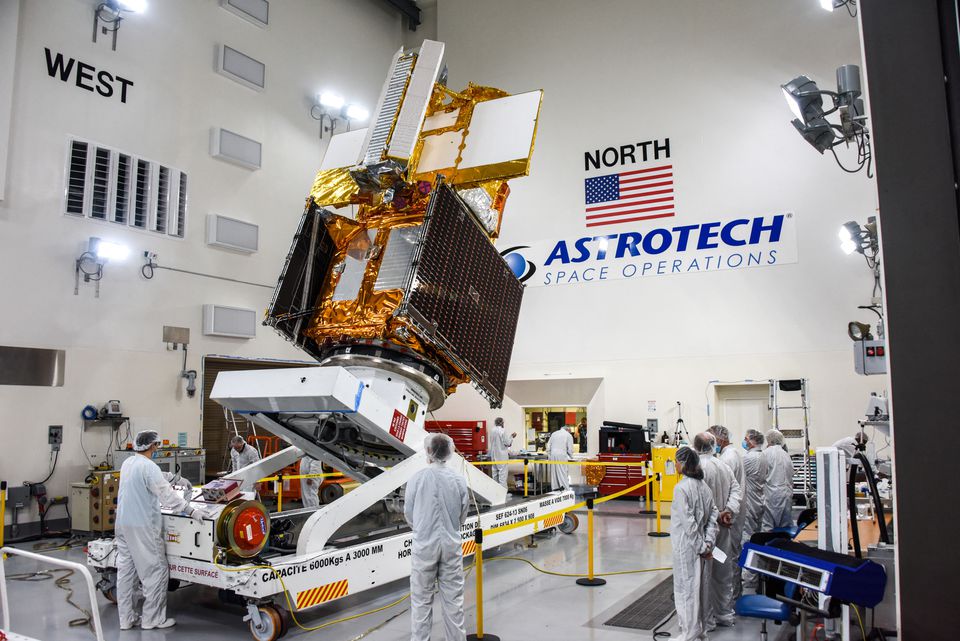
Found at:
(3, 509)
(649, 499)
(478, 561)
(280, 494)
(659, 532)
(525, 463)
(590, 580)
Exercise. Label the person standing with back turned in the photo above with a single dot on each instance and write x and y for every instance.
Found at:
(141, 551)
(498, 450)
(435, 505)
(693, 532)
(560, 448)
(778, 489)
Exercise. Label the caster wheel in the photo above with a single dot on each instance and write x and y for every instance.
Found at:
(569, 524)
(330, 493)
(284, 621)
(111, 594)
(272, 623)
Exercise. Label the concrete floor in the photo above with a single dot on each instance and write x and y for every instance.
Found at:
(519, 603)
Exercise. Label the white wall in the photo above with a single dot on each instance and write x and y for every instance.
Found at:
(706, 75)
(114, 347)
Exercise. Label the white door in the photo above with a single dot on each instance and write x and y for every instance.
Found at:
(742, 414)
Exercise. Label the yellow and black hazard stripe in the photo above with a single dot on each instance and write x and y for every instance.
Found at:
(469, 547)
(316, 596)
(553, 520)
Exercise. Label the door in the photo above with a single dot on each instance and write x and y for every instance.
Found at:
(742, 414)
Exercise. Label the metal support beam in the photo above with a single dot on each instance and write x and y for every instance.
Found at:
(409, 9)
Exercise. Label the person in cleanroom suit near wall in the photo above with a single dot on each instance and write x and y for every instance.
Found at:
(435, 506)
(498, 450)
(755, 477)
(693, 532)
(310, 488)
(728, 497)
(141, 556)
(778, 489)
(560, 448)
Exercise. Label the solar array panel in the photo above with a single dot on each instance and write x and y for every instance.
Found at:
(462, 296)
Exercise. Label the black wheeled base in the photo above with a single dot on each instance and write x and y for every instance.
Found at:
(658, 534)
(485, 637)
(591, 582)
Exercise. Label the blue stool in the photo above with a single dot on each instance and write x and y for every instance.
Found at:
(758, 606)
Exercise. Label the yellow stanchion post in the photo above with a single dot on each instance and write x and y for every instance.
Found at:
(280, 494)
(590, 580)
(525, 463)
(648, 506)
(3, 508)
(478, 560)
(659, 533)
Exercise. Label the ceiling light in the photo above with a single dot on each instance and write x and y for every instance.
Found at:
(355, 112)
(331, 100)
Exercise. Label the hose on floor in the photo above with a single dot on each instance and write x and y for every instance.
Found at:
(62, 582)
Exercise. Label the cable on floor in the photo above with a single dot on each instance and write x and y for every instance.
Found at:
(564, 574)
(62, 582)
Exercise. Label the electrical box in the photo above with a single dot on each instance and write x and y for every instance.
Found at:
(55, 437)
(870, 357)
(93, 503)
(653, 425)
(18, 496)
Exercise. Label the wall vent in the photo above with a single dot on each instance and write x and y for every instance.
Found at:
(240, 67)
(256, 12)
(105, 184)
(234, 148)
(232, 322)
(233, 234)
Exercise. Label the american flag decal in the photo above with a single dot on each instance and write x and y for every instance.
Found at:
(629, 196)
(316, 596)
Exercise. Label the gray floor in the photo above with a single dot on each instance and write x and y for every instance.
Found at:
(519, 603)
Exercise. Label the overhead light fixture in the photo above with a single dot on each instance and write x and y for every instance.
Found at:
(860, 239)
(108, 15)
(90, 263)
(331, 109)
(805, 100)
(849, 5)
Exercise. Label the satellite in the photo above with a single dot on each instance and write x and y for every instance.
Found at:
(393, 264)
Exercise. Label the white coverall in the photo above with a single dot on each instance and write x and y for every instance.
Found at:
(310, 488)
(732, 456)
(560, 448)
(693, 531)
(755, 474)
(497, 449)
(778, 489)
(726, 496)
(141, 555)
(243, 458)
(435, 506)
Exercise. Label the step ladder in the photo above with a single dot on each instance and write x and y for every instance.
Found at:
(790, 397)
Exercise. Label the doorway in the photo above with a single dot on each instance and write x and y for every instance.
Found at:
(742, 407)
(540, 422)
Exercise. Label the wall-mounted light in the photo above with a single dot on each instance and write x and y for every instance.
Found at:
(805, 100)
(860, 239)
(331, 109)
(849, 5)
(108, 15)
(90, 263)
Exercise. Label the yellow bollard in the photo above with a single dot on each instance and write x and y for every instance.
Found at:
(590, 580)
(649, 503)
(659, 533)
(280, 494)
(478, 560)
(525, 463)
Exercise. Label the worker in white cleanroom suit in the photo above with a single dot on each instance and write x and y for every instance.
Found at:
(141, 556)
(851, 445)
(732, 456)
(693, 532)
(755, 475)
(242, 454)
(310, 488)
(726, 496)
(497, 448)
(435, 506)
(560, 448)
(778, 488)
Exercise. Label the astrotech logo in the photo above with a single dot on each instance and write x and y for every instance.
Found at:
(519, 264)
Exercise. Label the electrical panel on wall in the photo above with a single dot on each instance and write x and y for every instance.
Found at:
(256, 12)
(234, 148)
(231, 233)
(105, 184)
(232, 322)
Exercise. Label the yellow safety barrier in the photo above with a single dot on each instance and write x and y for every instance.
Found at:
(279, 479)
(659, 532)
(649, 499)
(478, 563)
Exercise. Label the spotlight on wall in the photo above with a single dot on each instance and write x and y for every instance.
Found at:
(331, 110)
(805, 100)
(90, 263)
(849, 5)
(860, 239)
(108, 15)
(858, 331)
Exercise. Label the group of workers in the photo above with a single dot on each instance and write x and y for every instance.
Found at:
(725, 495)
(559, 448)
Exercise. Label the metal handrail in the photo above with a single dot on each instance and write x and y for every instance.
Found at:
(70, 565)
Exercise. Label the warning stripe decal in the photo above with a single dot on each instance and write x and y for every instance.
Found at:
(469, 547)
(553, 520)
(316, 596)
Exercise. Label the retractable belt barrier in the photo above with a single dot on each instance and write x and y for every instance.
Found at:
(280, 478)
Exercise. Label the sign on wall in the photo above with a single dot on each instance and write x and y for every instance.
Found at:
(658, 250)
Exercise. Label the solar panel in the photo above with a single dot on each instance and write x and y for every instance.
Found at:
(462, 297)
(301, 280)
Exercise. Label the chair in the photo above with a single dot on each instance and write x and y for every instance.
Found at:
(758, 606)
(804, 519)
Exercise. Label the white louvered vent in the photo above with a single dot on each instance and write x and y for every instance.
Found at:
(231, 233)
(108, 185)
(253, 11)
(233, 322)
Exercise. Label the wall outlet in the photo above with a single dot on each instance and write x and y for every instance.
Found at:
(652, 425)
(55, 437)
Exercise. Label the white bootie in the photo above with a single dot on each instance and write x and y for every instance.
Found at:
(166, 623)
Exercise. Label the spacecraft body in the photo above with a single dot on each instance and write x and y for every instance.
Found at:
(393, 262)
